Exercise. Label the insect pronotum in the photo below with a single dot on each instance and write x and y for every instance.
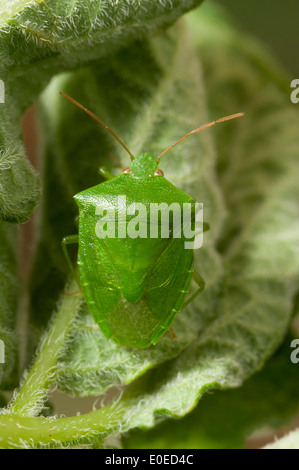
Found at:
(135, 285)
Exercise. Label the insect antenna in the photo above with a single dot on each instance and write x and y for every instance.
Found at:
(91, 114)
(226, 118)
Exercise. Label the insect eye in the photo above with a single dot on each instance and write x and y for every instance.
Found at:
(126, 170)
(158, 173)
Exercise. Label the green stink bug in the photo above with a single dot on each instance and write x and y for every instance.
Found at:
(135, 270)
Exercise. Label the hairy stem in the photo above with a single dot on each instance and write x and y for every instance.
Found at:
(31, 396)
(23, 432)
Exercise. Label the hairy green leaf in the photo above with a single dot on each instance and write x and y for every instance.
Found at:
(151, 93)
(39, 39)
(261, 255)
(237, 329)
(146, 99)
(224, 420)
(8, 303)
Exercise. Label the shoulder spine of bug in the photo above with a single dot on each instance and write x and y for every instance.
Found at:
(134, 289)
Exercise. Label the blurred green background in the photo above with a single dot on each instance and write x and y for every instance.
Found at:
(275, 22)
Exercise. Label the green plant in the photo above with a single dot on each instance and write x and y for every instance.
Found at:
(151, 84)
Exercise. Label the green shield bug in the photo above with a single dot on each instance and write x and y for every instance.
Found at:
(135, 270)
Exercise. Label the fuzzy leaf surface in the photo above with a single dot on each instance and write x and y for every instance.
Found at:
(39, 39)
(250, 262)
(137, 94)
(8, 304)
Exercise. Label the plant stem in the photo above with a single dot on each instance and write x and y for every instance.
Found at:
(20, 429)
(22, 432)
(30, 398)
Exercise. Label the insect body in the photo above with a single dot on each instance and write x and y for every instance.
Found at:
(135, 270)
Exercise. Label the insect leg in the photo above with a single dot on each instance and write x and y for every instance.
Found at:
(201, 285)
(105, 173)
(67, 241)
